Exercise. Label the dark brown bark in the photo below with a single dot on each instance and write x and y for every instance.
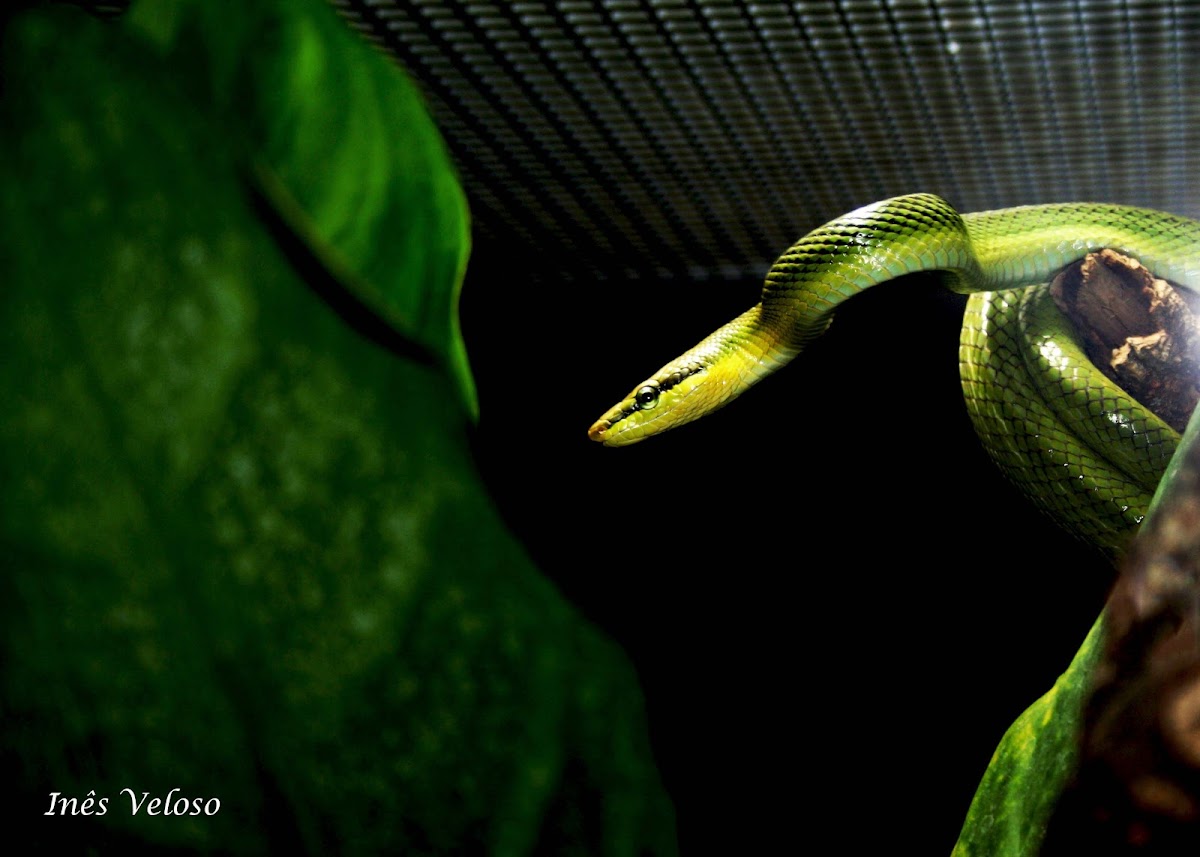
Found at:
(1140, 331)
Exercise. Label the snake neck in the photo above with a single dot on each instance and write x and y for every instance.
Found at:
(867, 247)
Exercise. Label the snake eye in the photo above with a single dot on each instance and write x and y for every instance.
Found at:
(646, 397)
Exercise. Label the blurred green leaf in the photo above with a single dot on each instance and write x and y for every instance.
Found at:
(1033, 763)
(341, 128)
(247, 554)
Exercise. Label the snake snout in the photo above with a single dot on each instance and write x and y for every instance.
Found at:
(598, 429)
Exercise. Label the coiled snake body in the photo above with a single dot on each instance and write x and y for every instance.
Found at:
(1079, 446)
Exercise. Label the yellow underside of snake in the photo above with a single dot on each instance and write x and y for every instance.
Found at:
(1081, 448)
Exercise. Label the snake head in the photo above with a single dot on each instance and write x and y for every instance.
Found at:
(675, 395)
(697, 383)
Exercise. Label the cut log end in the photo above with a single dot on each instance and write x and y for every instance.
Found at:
(1139, 331)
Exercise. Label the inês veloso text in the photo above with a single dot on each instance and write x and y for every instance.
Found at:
(143, 803)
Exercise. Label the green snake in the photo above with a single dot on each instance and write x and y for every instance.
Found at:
(1084, 450)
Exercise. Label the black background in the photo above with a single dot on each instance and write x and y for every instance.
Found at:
(834, 601)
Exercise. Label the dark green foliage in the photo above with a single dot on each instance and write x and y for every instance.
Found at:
(246, 552)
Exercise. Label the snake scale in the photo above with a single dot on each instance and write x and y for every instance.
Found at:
(1081, 448)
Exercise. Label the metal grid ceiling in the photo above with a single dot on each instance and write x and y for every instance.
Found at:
(627, 138)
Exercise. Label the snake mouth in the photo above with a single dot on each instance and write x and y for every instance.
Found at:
(605, 431)
(598, 430)
(611, 430)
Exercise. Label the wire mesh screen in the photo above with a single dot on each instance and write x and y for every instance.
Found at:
(689, 138)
